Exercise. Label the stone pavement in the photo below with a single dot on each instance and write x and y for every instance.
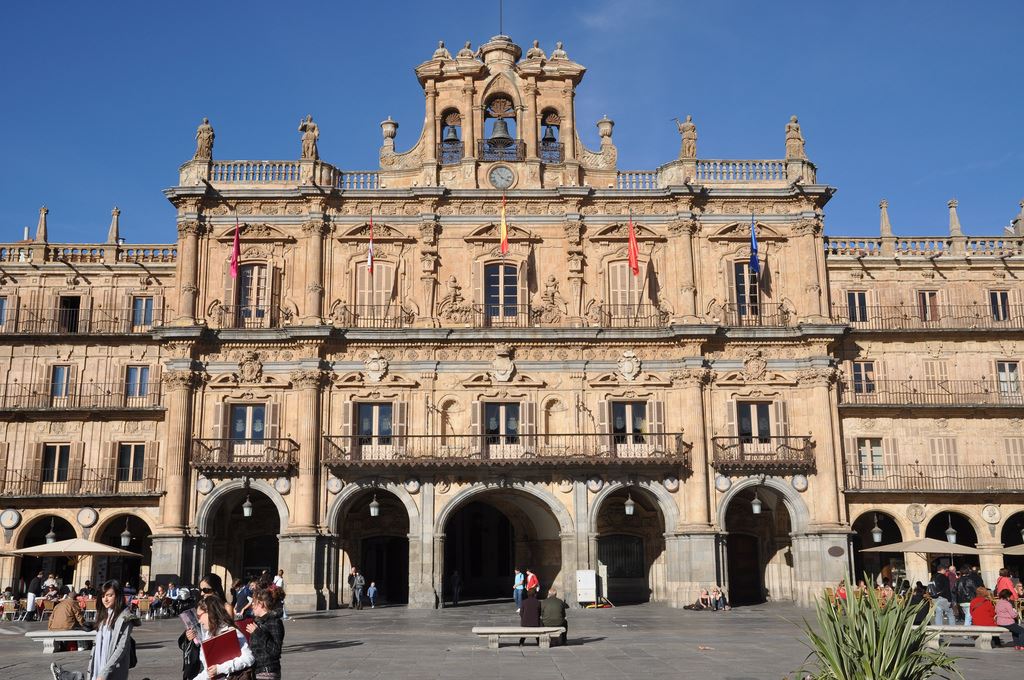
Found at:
(647, 641)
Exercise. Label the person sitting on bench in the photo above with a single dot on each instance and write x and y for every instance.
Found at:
(529, 614)
(552, 614)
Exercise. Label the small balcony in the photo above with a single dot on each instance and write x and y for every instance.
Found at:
(234, 456)
(930, 317)
(763, 454)
(373, 316)
(91, 396)
(916, 478)
(502, 316)
(628, 316)
(900, 393)
(68, 482)
(450, 152)
(760, 314)
(500, 150)
(552, 152)
(521, 449)
(250, 317)
(77, 322)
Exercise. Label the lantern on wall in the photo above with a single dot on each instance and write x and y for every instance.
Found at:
(374, 507)
(951, 532)
(876, 532)
(629, 506)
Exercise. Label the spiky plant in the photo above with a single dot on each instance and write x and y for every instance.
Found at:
(862, 639)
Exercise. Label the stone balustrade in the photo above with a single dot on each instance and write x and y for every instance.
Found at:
(924, 246)
(88, 253)
(255, 172)
(746, 171)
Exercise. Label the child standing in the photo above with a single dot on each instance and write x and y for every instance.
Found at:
(372, 594)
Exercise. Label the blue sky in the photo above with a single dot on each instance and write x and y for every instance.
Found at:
(917, 102)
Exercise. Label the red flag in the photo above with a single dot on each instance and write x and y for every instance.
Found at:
(236, 251)
(369, 253)
(504, 228)
(634, 249)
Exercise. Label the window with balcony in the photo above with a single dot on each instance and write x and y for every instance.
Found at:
(374, 427)
(136, 386)
(60, 385)
(629, 422)
(999, 301)
(501, 423)
(936, 375)
(248, 423)
(753, 422)
(501, 293)
(870, 457)
(69, 308)
(3, 311)
(928, 305)
(857, 305)
(747, 291)
(253, 296)
(943, 451)
(1008, 374)
(375, 304)
(142, 312)
(864, 377)
(55, 462)
(131, 462)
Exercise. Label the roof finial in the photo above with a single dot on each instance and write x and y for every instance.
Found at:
(954, 219)
(114, 233)
(41, 226)
(886, 228)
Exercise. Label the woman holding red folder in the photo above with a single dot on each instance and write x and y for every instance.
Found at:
(223, 651)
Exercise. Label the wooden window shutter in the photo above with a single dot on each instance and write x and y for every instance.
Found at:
(275, 282)
(76, 462)
(230, 303)
(890, 454)
(221, 417)
(347, 444)
(781, 418)
(364, 294)
(528, 414)
(656, 424)
(604, 425)
(478, 282)
(730, 419)
(388, 285)
(109, 468)
(851, 453)
(4, 447)
(151, 467)
(476, 428)
(154, 387)
(273, 420)
(72, 382)
(400, 427)
(158, 310)
(730, 282)
(523, 285)
(32, 471)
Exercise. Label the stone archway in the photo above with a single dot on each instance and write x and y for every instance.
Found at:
(759, 555)
(34, 533)
(630, 548)
(134, 570)
(232, 545)
(877, 566)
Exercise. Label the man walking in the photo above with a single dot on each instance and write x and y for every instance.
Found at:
(358, 585)
(518, 587)
(938, 589)
(552, 614)
(966, 589)
(456, 581)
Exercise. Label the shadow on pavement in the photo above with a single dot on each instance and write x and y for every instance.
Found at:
(323, 644)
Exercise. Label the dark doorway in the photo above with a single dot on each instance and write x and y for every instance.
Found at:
(258, 555)
(624, 567)
(61, 567)
(240, 546)
(480, 545)
(745, 584)
(386, 563)
(127, 570)
(68, 315)
(1012, 536)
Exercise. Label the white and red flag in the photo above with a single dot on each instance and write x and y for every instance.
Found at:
(369, 252)
(236, 251)
(634, 248)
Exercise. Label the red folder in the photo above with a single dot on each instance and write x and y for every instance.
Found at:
(241, 625)
(221, 648)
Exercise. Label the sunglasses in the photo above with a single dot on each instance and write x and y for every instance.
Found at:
(206, 591)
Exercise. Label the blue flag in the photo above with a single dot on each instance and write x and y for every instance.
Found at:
(755, 265)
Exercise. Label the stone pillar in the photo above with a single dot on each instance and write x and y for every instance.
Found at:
(685, 229)
(990, 561)
(826, 482)
(530, 119)
(423, 550)
(569, 567)
(314, 231)
(691, 382)
(177, 387)
(431, 122)
(568, 128)
(469, 133)
(820, 560)
(307, 383)
(188, 272)
(297, 555)
(691, 565)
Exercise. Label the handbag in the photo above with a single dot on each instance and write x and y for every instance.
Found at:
(244, 674)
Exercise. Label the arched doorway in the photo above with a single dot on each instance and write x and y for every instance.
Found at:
(965, 534)
(631, 547)
(759, 551)
(35, 534)
(133, 570)
(489, 534)
(378, 543)
(238, 546)
(877, 565)
(1013, 535)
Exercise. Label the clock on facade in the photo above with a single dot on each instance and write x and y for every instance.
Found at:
(501, 177)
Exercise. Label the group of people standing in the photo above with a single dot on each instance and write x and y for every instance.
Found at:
(978, 605)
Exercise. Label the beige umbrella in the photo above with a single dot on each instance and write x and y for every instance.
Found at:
(73, 547)
(1015, 550)
(925, 546)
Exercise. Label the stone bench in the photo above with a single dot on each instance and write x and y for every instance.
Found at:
(50, 638)
(982, 634)
(495, 633)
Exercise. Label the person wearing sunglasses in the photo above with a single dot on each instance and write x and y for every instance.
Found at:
(211, 584)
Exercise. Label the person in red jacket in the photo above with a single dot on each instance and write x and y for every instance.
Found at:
(532, 582)
(983, 612)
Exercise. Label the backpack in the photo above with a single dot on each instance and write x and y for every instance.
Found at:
(133, 659)
(933, 590)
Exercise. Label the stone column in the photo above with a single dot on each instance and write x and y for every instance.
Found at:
(691, 384)
(314, 231)
(683, 256)
(820, 560)
(170, 558)
(568, 131)
(530, 119)
(990, 561)
(826, 483)
(430, 91)
(468, 119)
(188, 271)
(307, 384)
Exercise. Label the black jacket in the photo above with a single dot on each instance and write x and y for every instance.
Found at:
(266, 642)
(35, 586)
(190, 664)
(939, 587)
(967, 587)
(529, 613)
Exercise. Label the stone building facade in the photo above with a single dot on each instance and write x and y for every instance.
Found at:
(471, 406)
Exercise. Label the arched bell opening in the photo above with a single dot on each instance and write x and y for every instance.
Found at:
(501, 136)
(450, 149)
(551, 148)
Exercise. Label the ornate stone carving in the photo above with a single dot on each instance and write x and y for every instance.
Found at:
(687, 226)
(690, 377)
(549, 306)
(503, 366)
(177, 380)
(755, 366)
(452, 307)
(818, 377)
(794, 140)
(559, 53)
(466, 52)
(307, 378)
(429, 230)
(441, 52)
(189, 228)
(375, 367)
(310, 134)
(204, 141)
(688, 132)
(629, 365)
(314, 288)
(810, 226)
(573, 230)
(250, 367)
(311, 228)
(535, 52)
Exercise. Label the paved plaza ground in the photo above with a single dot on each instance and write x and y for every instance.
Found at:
(647, 641)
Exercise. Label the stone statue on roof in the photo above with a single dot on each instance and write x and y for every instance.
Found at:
(794, 140)
(688, 131)
(466, 52)
(441, 52)
(204, 141)
(559, 53)
(535, 52)
(310, 133)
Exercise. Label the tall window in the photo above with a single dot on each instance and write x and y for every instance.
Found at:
(136, 384)
(142, 312)
(131, 460)
(748, 294)
(375, 424)
(943, 451)
(3, 311)
(999, 301)
(501, 292)
(60, 383)
(863, 377)
(68, 313)
(928, 305)
(753, 421)
(375, 295)
(1008, 373)
(248, 422)
(501, 422)
(1014, 451)
(55, 462)
(253, 295)
(629, 421)
(869, 456)
(857, 305)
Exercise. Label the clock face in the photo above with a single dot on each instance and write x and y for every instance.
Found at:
(501, 177)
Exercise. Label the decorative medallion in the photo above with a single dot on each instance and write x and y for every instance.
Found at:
(915, 513)
(283, 485)
(375, 367)
(799, 483)
(836, 551)
(503, 367)
(755, 366)
(595, 484)
(722, 483)
(565, 485)
(10, 519)
(204, 485)
(991, 514)
(442, 485)
(250, 367)
(629, 365)
(671, 483)
(87, 518)
(334, 484)
(412, 485)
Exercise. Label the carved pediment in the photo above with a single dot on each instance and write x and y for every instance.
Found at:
(480, 380)
(769, 377)
(382, 233)
(620, 232)
(249, 233)
(741, 231)
(360, 379)
(491, 233)
(236, 379)
(618, 379)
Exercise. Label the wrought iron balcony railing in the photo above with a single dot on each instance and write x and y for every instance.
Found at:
(629, 316)
(939, 317)
(932, 393)
(373, 316)
(250, 316)
(552, 152)
(244, 455)
(793, 454)
(93, 396)
(68, 481)
(502, 316)
(78, 321)
(760, 314)
(914, 478)
(489, 150)
(450, 152)
(521, 449)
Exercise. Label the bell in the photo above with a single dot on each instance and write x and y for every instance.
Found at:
(499, 134)
(450, 134)
(549, 135)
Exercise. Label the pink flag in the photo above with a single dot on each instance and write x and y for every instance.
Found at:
(634, 249)
(236, 251)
